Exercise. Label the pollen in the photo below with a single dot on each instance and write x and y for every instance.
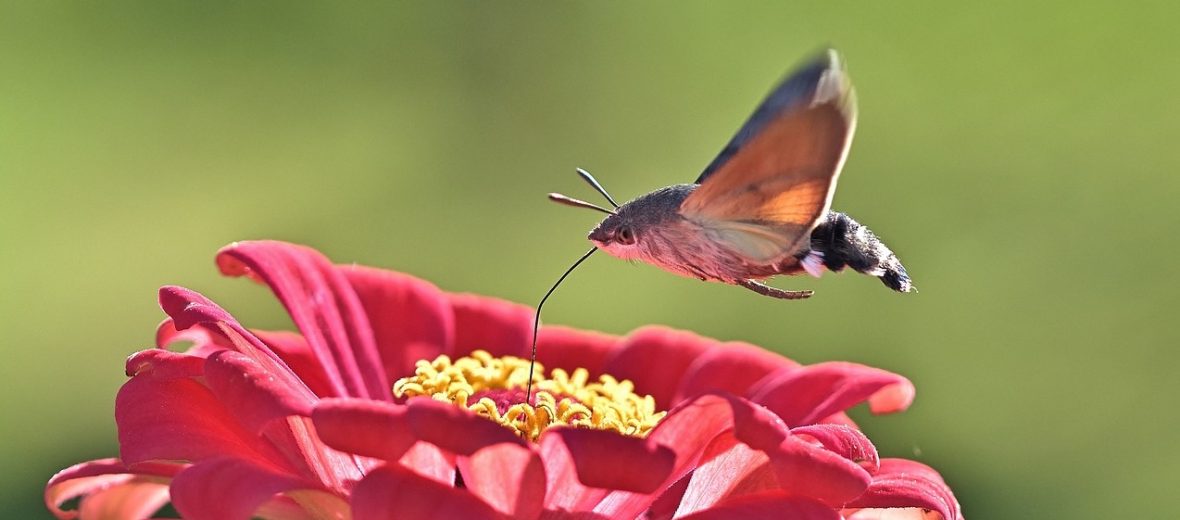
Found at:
(494, 388)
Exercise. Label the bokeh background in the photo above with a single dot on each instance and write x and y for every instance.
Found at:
(1021, 158)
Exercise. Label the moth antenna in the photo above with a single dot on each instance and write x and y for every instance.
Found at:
(528, 393)
(594, 182)
(570, 201)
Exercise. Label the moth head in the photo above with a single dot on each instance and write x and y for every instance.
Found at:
(616, 235)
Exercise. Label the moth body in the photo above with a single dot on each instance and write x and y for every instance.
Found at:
(761, 208)
(652, 229)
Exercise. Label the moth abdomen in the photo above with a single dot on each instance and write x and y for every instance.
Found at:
(844, 242)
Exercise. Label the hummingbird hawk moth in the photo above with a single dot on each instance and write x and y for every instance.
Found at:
(761, 208)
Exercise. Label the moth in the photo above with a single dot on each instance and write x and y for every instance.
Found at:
(762, 207)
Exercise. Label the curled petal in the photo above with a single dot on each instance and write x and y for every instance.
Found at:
(164, 364)
(323, 306)
(395, 492)
(769, 507)
(655, 359)
(110, 490)
(803, 469)
(202, 341)
(731, 367)
(812, 393)
(411, 318)
(912, 485)
(227, 489)
(510, 478)
(497, 326)
(846, 441)
(189, 310)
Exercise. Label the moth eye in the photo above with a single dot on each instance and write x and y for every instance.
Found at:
(625, 236)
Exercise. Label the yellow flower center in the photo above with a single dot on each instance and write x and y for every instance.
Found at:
(494, 387)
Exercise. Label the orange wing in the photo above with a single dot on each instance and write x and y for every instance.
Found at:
(779, 172)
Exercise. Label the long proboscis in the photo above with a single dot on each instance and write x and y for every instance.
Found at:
(570, 201)
(528, 393)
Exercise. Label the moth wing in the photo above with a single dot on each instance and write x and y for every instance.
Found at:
(757, 243)
(775, 178)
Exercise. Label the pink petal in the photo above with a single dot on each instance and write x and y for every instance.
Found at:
(605, 459)
(509, 477)
(158, 363)
(386, 431)
(109, 489)
(691, 429)
(907, 484)
(411, 318)
(427, 460)
(323, 306)
(136, 498)
(454, 429)
(295, 437)
(189, 310)
(731, 367)
(799, 467)
(202, 340)
(395, 492)
(839, 418)
(227, 489)
(569, 348)
(294, 351)
(803, 469)
(846, 441)
(656, 358)
(497, 326)
(564, 492)
(893, 398)
(182, 420)
(669, 500)
(893, 513)
(284, 507)
(709, 425)
(770, 507)
(258, 396)
(369, 428)
(809, 394)
(720, 477)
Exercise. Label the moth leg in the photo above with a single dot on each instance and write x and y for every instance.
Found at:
(772, 292)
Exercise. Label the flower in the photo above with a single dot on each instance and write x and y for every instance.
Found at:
(247, 423)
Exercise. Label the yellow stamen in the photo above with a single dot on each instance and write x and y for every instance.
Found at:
(563, 399)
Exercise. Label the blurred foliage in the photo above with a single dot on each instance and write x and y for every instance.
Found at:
(1020, 158)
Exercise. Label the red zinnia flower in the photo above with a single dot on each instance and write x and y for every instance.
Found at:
(247, 423)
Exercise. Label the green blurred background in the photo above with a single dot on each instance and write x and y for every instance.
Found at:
(1020, 158)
